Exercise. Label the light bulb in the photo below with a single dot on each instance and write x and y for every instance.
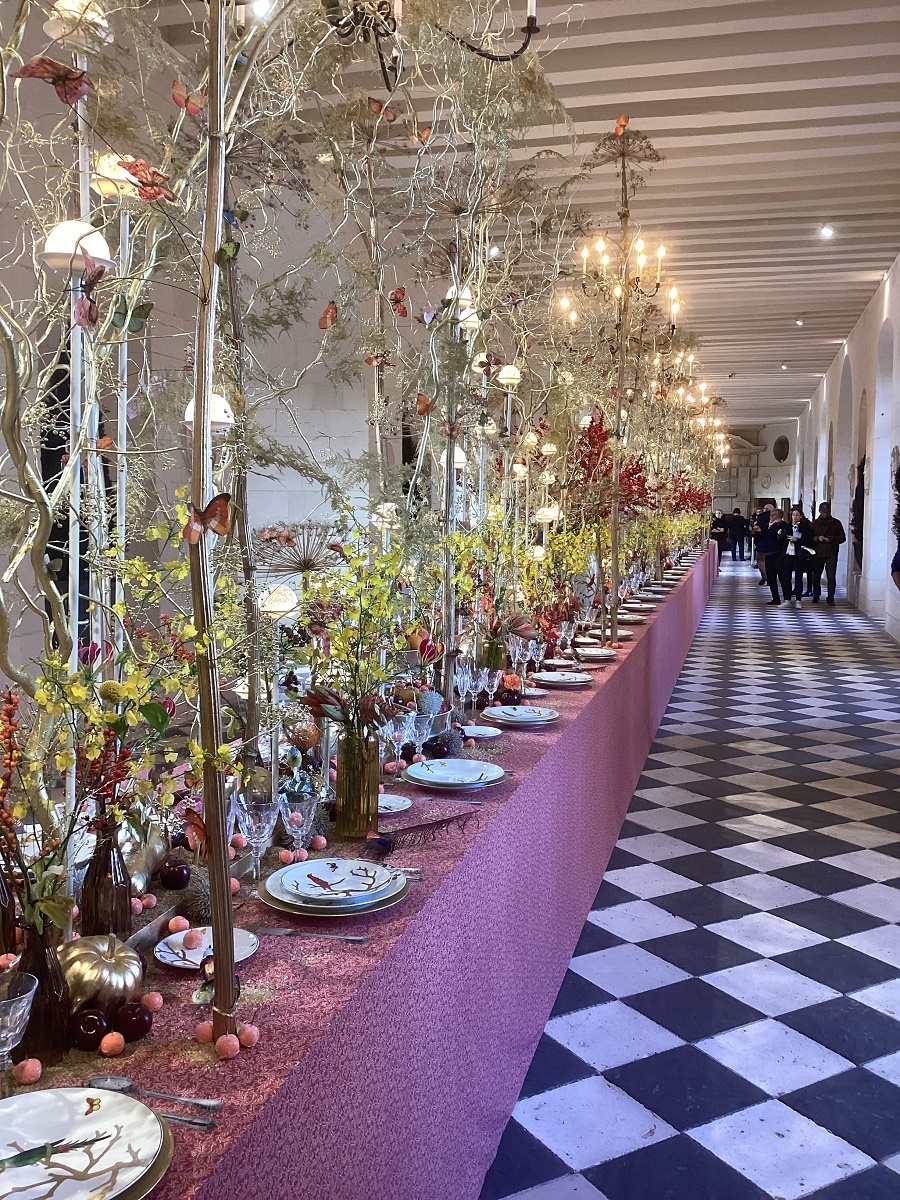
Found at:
(584, 253)
(600, 246)
(509, 376)
(548, 449)
(605, 260)
(565, 303)
(673, 293)
(62, 249)
(642, 260)
(109, 179)
(639, 245)
(495, 252)
(538, 552)
(261, 8)
(676, 307)
(799, 321)
(661, 252)
(221, 418)
(617, 291)
(716, 421)
(459, 457)
(530, 438)
(79, 24)
(826, 233)
(573, 315)
(702, 387)
(725, 462)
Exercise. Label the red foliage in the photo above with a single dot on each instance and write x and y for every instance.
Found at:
(685, 497)
(591, 486)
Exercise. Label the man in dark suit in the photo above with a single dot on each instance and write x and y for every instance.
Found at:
(828, 537)
(737, 531)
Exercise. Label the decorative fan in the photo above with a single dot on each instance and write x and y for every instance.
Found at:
(296, 548)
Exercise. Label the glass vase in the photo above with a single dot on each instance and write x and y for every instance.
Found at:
(47, 1035)
(106, 891)
(356, 789)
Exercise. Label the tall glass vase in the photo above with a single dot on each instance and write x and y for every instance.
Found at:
(356, 789)
(47, 1035)
(106, 891)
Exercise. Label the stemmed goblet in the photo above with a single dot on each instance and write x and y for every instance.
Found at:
(400, 729)
(421, 730)
(463, 682)
(17, 990)
(299, 811)
(257, 813)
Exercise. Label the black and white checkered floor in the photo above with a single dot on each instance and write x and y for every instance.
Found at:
(729, 1027)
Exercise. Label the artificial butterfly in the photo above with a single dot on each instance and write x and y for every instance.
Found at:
(216, 518)
(151, 183)
(421, 136)
(424, 405)
(92, 1105)
(329, 316)
(234, 216)
(430, 315)
(396, 297)
(69, 84)
(378, 360)
(190, 102)
(104, 443)
(621, 125)
(135, 322)
(195, 831)
(225, 253)
(382, 110)
(87, 312)
(451, 430)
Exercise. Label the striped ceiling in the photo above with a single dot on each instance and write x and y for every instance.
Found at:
(774, 118)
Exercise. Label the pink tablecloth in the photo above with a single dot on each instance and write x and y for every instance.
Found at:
(389, 1070)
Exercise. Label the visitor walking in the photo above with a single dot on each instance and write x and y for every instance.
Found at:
(799, 553)
(828, 537)
(773, 545)
(737, 531)
(758, 527)
(718, 531)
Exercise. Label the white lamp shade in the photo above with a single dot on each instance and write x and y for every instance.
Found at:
(79, 24)
(109, 179)
(62, 249)
(385, 515)
(465, 313)
(279, 602)
(459, 458)
(547, 514)
(221, 418)
(509, 376)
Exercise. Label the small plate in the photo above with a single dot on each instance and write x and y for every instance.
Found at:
(565, 679)
(557, 663)
(483, 733)
(519, 714)
(172, 953)
(393, 804)
(333, 879)
(454, 773)
(532, 692)
(601, 653)
(632, 619)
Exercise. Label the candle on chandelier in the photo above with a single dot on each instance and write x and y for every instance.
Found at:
(584, 258)
(660, 255)
(531, 14)
(398, 11)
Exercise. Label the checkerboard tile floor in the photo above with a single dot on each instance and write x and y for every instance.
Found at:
(729, 1026)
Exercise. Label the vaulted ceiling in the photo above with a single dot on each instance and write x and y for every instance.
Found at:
(774, 117)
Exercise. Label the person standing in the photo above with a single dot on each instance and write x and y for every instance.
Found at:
(737, 531)
(828, 537)
(773, 544)
(718, 531)
(758, 526)
(799, 553)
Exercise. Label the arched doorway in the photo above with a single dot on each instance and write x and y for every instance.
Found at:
(880, 501)
(859, 487)
(840, 451)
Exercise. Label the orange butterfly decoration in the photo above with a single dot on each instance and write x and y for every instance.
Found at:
(329, 316)
(70, 84)
(621, 125)
(195, 831)
(421, 136)
(93, 1105)
(451, 430)
(87, 312)
(383, 110)
(396, 297)
(424, 405)
(151, 183)
(104, 443)
(216, 518)
(192, 103)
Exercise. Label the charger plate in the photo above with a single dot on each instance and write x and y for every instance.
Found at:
(274, 901)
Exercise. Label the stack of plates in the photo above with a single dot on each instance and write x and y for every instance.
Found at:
(631, 619)
(76, 1143)
(639, 606)
(520, 714)
(596, 653)
(334, 887)
(455, 773)
(624, 634)
(563, 679)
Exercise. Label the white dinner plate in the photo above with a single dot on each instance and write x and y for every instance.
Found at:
(632, 619)
(481, 733)
(601, 653)
(532, 692)
(563, 678)
(273, 892)
(172, 952)
(520, 714)
(91, 1143)
(332, 879)
(393, 804)
(556, 663)
(639, 606)
(454, 772)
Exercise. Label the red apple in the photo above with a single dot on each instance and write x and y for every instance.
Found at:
(175, 874)
(133, 1021)
(89, 1028)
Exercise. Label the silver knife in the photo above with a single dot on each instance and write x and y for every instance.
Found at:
(358, 938)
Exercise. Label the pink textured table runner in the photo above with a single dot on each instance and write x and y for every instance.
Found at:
(389, 1070)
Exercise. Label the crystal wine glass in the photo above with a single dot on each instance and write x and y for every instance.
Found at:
(494, 679)
(463, 680)
(401, 730)
(257, 812)
(538, 651)
(17, 990)
(422, 724)
(299, 812)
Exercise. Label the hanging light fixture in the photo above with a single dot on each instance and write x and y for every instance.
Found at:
(509, 376)
(529, 30)
(109, 178)
(459, 458)
(78, 24)
(463, 304)
(64, 243)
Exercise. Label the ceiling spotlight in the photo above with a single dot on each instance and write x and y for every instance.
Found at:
(826, 232)
(798, 321)
(784, 366)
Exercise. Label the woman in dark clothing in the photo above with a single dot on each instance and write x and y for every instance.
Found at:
(799, 554)
(718, 531)
(773, 544)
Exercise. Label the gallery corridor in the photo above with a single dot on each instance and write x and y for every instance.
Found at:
(729, 1025)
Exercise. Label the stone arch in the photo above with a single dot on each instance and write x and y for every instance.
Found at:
(881, 498)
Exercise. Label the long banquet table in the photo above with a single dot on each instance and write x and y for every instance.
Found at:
(389, 1070)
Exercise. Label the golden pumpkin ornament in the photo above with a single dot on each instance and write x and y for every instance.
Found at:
(101, 972)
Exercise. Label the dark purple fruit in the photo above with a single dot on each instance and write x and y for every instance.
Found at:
(133, 1021)
(175, 874)
(89, 1027)
(509, 696)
